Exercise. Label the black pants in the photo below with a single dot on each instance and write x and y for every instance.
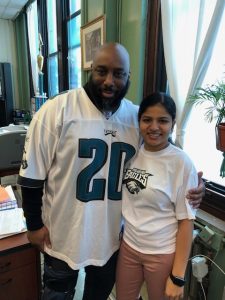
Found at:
(60, 280)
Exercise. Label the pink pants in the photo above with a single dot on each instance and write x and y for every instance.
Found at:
(133, 268)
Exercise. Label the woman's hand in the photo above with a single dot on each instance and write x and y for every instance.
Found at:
(173, 292)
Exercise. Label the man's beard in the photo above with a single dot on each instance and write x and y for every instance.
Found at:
(106, 104)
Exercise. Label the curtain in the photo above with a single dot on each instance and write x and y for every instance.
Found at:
(155, 78)
(33, 41)
(189, 32)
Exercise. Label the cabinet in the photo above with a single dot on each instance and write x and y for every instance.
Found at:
(20, 277)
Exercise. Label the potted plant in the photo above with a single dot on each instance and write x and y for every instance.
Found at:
(215, 96)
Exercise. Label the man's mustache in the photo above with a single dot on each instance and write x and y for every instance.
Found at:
(108, 89)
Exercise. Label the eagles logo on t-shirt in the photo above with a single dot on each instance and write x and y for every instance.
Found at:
(136, 180)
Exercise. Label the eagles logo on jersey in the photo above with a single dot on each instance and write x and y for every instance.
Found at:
(24, 163)
(112, 132)
(136, 180)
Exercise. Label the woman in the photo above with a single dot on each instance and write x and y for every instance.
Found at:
(158, 220)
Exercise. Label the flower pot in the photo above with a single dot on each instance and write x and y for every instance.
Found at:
(220, 137)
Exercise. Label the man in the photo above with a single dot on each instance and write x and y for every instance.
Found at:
(75, 152)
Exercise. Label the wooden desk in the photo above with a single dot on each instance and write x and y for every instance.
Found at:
(9, 172)
(20, 269)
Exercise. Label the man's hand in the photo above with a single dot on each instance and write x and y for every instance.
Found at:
(39, 238)
(195, 195)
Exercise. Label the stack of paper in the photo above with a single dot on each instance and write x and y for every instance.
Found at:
(12, 220)
(7, 198)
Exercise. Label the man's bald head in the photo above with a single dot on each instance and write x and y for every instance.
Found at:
(116, 51)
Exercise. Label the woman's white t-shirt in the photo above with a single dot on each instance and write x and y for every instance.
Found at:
(154, 199)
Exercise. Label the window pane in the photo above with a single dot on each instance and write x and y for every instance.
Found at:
(74, 6)
(74, 68)
(32, 25)
(52, 27)
(74, 52)
(53, 83)
(200, 140)
(74, 32)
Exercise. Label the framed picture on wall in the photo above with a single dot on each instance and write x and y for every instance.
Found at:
(92, 37)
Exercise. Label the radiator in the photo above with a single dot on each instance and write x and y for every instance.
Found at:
(210, 242)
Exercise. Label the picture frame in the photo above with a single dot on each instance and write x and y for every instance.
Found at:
(92, 37)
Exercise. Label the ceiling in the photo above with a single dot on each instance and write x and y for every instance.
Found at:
(9, 9)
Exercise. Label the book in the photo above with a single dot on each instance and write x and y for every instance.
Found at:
(12, 220)
(4, 196)
(7, 198)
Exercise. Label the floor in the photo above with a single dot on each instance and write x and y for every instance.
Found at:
(80, 286)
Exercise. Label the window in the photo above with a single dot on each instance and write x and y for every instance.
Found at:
(200, 142)
(199, 138)
(74, 49)
(33, 38)
(74, 6)
(53, 82)
(59, 25)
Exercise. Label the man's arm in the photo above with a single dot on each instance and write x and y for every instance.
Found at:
(37, 234)
(195, 195)
(32, 203)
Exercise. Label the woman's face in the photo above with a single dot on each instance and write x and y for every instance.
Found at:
(156, 124)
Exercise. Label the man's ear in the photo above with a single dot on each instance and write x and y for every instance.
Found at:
(128, 79)
(128, 82)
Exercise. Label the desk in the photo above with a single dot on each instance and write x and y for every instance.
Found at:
(20, 270)
(9, 172)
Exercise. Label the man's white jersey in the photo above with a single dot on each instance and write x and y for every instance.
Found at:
(81, 156)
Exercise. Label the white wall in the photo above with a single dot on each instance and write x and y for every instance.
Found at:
(8, 52)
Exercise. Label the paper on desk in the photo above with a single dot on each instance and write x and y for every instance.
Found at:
(11, 222)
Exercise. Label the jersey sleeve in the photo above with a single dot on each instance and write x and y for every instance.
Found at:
(190, 180)
(39, 149)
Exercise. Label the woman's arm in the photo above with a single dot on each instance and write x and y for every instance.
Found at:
(182, 252)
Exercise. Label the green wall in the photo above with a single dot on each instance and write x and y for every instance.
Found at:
(132, 35)
(125, 23)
